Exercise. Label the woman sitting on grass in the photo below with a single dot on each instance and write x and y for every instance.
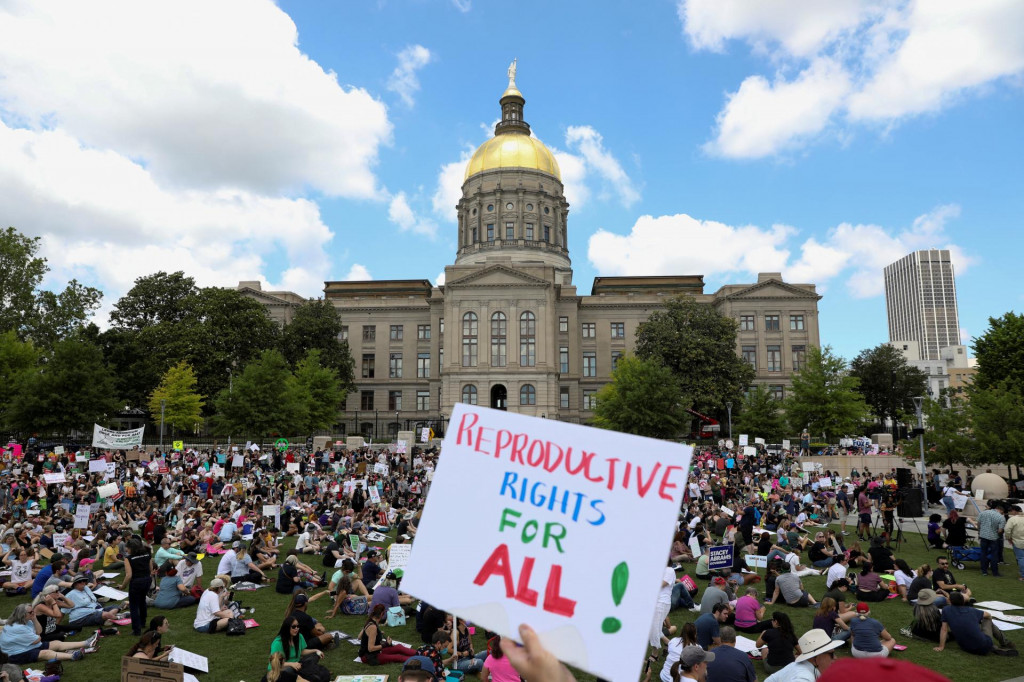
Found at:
(869, 638)
(148, 647)
(21, 641)
(290, 647)
(374, 647)
(869, 584)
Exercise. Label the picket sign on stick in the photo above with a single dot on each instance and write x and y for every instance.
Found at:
(544, 495)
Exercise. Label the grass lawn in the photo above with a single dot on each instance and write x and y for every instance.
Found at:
(233, 659)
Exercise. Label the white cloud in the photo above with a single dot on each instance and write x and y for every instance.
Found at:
(762, 118)
(449, 188)
(574, 178)
(227, 100)
(357, 273)
(401, 214)
(403, 80)
(590, 145)
(439, 280)
(856, 254)
(463, 5)
(887, 60)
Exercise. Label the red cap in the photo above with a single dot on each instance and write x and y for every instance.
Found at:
(719, 580)
(879, 670)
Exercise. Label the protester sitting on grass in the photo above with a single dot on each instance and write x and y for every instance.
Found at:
(750, 613)
(497, 667)
(211, 616)
(868, 637)
(172, 593)
(469, 660)
(927, 623)
(869, 584)
(21, 640)
(290, 578)
(828, 618)
(349, 604)
(934, 532)
(21, 563)
(791, 589)
(387, 593)
(780, 639)
(290, 646)
(437, 650)
(374, 647)
(945, 583)
(904, 576)
(149, 647)
(314, 632)
(972, 629)
(86, 610)
(48, 612)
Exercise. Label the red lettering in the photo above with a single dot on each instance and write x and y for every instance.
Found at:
(480, 438)
(665, 484)
(467, 422)
(625, 475)
(504, 438)
(611, 472)
(548, 466)
(523, 591)
(554, 602)
(497, 564)
(518, 444)
(537, 447)
(642, 487)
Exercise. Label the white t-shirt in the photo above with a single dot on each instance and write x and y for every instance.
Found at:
(301, 543)
(227, 563)
(209, 604)
(835, 572)
(902, 578)
(675, 650)
(21, 572)
(793, 560)
(188, 574)
(665, 593)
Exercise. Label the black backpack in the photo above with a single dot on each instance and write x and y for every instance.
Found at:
(236, 627)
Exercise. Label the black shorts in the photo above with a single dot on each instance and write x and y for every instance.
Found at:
(865, 519)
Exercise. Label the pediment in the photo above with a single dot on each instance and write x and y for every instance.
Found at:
(772, 289)
(263, 296)
(498, 276)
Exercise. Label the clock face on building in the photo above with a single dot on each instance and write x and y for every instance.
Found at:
(509, 206)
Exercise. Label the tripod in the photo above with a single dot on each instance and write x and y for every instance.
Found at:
(923, 536)
(887, 532)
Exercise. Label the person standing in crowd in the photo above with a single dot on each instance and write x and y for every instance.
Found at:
(991, 523)
(1014, 534)
(138, 577)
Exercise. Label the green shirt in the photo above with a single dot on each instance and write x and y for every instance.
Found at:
(277, 647)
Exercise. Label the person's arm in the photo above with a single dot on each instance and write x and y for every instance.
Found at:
(371, 638)
(760, 641)
(775, 595)
(127, 574)
(943, 634)
(485, 674)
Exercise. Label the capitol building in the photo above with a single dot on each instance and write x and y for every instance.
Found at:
(508, 328)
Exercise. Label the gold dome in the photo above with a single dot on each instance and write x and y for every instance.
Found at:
(513, 151)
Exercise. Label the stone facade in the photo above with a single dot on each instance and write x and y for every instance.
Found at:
(508, 328)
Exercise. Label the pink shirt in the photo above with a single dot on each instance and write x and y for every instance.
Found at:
(501, 670)
(746, 611)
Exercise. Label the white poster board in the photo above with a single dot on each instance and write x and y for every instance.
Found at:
(825, 482)
(237, 461)
(374, 494)
(52, 479)
(401, 446)
(398, 555)
(424, 434)
(759, 441)
(785, 444)
(60, 540)
(743, 439)
(293, 467)
(97, 466)
(108, 490)
(59, 450)
(381, 468)
(749, 451)
(534, 565)
(82, 516)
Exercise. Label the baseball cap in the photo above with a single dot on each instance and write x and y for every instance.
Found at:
(301, 599)
(80, 579)
(862, 607)
(692, 655)
(419, 666)
(215, 583)
(371, 554)
(719, 580)
(236, 544)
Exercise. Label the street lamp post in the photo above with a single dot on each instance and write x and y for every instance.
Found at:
(918, 402)
(728, 407)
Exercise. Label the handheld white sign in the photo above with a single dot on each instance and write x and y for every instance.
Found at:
(545, 494)
(743, 439)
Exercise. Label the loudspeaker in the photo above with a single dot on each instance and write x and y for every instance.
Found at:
(904, 478)
(911, 504)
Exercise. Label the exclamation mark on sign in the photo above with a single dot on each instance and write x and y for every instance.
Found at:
(620, 578)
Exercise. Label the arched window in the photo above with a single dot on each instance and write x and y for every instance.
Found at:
(469, 394)
(528, 395)
(499, 344)
(527, 339)
(469, 336)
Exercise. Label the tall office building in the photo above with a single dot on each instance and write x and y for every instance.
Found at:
(920, 301)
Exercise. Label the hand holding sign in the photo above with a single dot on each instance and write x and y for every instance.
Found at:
(545, 493)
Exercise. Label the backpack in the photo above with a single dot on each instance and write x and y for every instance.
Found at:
(236, 627)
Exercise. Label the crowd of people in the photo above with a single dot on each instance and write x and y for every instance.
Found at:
(152, 521)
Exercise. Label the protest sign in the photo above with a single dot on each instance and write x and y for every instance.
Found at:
(425, 434)
(759, 441)
(374, 494)
(293, 467)
(785, 444)
(810, 466)
(743, 439)
(116, 440)
(98, 466)
(720, 557)
(133, 456)
(381, 468)
(82, 516)
(110, 470)
(749, 451)
(401, 446)
(730, 463)
(54, 478)
(825, 482)
(237, 461)
(544, 494)
(108, 490)
(60, 540)
(59, 450)
(398, 555)
(755, 561)
(959, 501)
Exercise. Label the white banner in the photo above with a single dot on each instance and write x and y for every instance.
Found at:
(116, 440)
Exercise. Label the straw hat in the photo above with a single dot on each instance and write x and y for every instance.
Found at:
(816, 642)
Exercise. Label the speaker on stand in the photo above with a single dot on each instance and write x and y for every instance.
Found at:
(904, 478)
(910, 504)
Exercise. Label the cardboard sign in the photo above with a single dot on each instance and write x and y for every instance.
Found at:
(144, 670)
(52, 479)
(544, 494)
(108, 490)
(785, 444)
(82, 516)
(720, 557)
(59, 450)
(133, 456)
(743, 439)
(398, 555)
(97, 466)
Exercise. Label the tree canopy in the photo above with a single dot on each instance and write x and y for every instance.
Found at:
(325, 395)
(642, 398)
(265, 399)
(698, 345)
(760, 415)
(888, 384)
(176, 398)
(317, 325)
(1000, 353)
(824, 397)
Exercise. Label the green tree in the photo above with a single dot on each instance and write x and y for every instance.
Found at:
(947, 438)
(265, 398)
(317, 324)
(824, 397)
(997, 423)
(698, 345)
(760, 415)
(69, 391)
(16, 357)
(156, 298)
(42, 316)
(325, 396)
(642, 398)
(182, 404)
(1000, 353)
(887, 382)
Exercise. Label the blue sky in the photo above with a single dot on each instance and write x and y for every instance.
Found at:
(306, 141)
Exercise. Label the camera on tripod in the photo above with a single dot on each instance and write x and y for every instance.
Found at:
(892, 498)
